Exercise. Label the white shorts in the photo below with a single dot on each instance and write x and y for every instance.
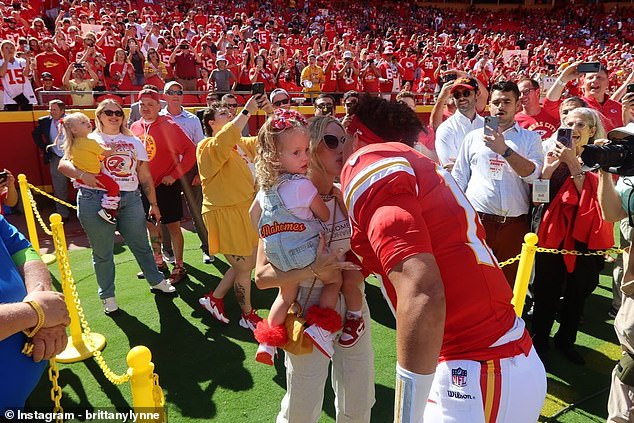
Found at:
(496, 391)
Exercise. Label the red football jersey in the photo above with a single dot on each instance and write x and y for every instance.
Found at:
(401, 204)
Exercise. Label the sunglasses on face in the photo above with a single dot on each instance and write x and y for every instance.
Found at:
(332, 142)
(279, 103)
(174, 92)
(459, 94)
(110, 113)
(350, 103)
(232, 106)
(325, 106)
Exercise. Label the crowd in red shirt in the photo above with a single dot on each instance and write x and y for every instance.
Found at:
(391, 46)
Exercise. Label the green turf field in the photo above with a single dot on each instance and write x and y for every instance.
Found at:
(208, 372)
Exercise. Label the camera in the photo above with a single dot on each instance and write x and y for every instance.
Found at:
(78, 65)
(615, 157)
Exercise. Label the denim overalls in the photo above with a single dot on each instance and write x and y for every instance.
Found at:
(289, 242)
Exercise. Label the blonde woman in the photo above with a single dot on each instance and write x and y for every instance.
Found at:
(572, 220)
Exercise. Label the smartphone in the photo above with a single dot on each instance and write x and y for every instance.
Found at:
(491, 122)
(150, 218)
(589, 67)
(3, 176)
(564, 136)
(630, 88)
(257, 88)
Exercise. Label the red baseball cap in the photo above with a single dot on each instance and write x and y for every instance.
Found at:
(147, 93)
(468, 83)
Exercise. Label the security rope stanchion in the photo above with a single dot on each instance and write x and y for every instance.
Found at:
(79, 347)
(25, 194)
(523, 275)
(147, 397)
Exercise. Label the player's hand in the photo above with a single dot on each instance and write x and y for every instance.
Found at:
(53, 306)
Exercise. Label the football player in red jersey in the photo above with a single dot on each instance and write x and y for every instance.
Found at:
(462, 353)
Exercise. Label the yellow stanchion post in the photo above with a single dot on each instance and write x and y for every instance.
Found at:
(30, 219)
(141, 373)
(77, 348)
(524, 268)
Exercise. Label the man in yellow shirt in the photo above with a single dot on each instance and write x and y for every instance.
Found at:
(312, 77)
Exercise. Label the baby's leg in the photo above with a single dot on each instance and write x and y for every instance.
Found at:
(330, 293)
(282, 303)
(352, 280)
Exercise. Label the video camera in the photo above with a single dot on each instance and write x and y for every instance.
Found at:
(615, 157)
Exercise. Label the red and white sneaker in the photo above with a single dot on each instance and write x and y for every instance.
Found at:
(351, 332)
(322, 339)
(266, 354)
(250, 320)
(216, 306)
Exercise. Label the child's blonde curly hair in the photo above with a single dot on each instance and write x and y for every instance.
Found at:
(267, 162)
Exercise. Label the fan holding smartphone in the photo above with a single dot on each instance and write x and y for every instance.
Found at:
(8, 193)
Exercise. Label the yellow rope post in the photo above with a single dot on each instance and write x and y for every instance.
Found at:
(28, 212)
(523, 275)
(141, 373)
(76, 349)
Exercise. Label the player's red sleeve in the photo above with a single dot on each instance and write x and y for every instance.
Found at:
(396, 230)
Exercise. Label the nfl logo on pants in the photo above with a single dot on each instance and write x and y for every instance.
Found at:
(459, 377)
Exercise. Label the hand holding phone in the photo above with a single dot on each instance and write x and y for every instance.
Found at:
(491, 124)
(589, 67)
(564, 136)
(3, 176)
(257, 88)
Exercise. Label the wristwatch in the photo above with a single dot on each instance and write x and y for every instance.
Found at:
(245, 112)
(507, 152)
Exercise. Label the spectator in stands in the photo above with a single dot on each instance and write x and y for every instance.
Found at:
(79, 83)
(15, 74)
(184, 61)
(451, 133)
(370, 75)
(391, 71)
(594, 87)
(28, 307)
(572, 220)
(173, 154)
(494, 172)
(225, 165)
(325, 105)
(47, 85)
(51, 61)
(312, 77)
(244, 70)
(261, 72)
(222, 80)
(121, 72)
(45, 136)
(135, 57)
(130, 165)
(348, 73)
(352, 368)
(154, 69)
(532, 116)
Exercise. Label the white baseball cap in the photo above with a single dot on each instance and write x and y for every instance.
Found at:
(347, 55)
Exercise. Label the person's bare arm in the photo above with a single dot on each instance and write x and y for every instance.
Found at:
(557, 89)
(609, 200)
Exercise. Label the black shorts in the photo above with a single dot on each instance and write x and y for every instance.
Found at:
(169, 201)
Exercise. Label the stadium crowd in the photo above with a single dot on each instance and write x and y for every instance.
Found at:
(328, 47)
(538, 72)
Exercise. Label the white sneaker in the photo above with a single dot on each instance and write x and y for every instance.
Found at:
(168, 256)
(322, 339)
(109, 305)
(207, 259)
(103, 213)
(215, 306)
(266, 354)
(163, 287)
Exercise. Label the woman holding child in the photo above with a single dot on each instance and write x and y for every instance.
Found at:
(352, 361)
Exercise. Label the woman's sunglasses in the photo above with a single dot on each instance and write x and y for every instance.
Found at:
(332, 142)
(279, 103)
(110, 113)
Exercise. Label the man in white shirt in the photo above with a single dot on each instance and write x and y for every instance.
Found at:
(190, 124)
(451, 133)
(495, 171)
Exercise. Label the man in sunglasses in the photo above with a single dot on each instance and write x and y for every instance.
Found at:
(325, 105)
(189, 123)
(533, 116)
(280, 99)
(451, 133)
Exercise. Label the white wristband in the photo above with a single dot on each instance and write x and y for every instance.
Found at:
(410, 396)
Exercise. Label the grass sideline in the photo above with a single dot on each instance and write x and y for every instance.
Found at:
(208, 372)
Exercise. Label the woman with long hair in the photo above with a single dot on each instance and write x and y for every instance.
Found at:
(121, 71)
(154, 69)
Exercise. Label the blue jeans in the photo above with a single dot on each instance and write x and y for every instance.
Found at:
(131, 225)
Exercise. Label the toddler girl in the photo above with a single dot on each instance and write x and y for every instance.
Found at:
(86, 154)
(289, 213)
